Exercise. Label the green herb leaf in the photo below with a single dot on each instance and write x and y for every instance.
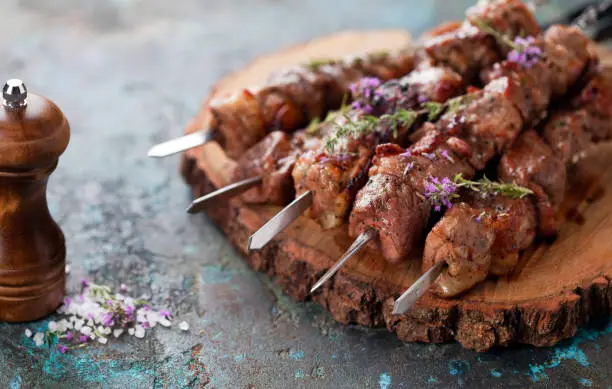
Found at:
(434, 110)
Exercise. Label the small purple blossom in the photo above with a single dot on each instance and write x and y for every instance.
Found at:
(422, 99)
(444, 153)
(83, 338)
(84, 283)
(165, 313)
(359, 106)
(123, 288)
(129, 310)
(68, 335)
(108, 319)
(67, 301)
(409, 167)
(62, 348)
(145, 324)
(440, 192)
(146, 307)
(365, 87)
(430, 156)
(526, 53)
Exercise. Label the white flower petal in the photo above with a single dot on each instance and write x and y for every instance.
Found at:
(28, 333)
(86, 330)
(131, 331)
(52, 326)
(39, 339)
(102, 340)
(117, 332)
(184, 326)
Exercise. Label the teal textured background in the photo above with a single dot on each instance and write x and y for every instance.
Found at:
(130, 73)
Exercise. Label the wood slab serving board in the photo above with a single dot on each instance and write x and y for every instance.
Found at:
(556, 288)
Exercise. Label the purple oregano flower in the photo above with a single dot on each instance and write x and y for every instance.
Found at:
(363, 92)
(440, 192)
(526, 52)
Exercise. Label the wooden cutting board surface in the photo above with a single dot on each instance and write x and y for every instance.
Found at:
(556, 288)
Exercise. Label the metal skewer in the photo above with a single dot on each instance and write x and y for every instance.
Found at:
(418, 289)
(280, 221)
(181, 144)
(361, 241)
(199, 204)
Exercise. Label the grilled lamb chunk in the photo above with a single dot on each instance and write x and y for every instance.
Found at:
(528, 88)
(566, 133)
(567, 54)
(479, 236)
(532, 163)
(464, 244)
(392, 202)
(509, 17)
(272, 159)
(466, 48)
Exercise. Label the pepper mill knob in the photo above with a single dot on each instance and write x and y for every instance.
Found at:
(33, 134)
(14, 93)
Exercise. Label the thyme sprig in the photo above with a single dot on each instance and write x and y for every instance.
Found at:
(315, 124)
(499, 37)
(442, 192)
(366, 124)
(488, 187)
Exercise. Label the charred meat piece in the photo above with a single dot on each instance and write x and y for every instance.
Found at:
(532, 163)
(293, 97)
(509, 17)
(466, 48)
(271, 159)
(479, 236)
(566, 50)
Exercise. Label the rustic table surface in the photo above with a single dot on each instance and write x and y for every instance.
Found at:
(129, 73)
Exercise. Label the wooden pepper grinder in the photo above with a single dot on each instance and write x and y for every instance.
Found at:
(33, 134)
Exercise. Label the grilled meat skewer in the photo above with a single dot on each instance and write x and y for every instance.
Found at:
(289, 100)
(482, 236)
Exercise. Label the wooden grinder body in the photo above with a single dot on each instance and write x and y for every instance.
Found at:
(32, 246)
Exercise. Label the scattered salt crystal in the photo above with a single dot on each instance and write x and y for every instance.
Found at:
(102, 340)
(117, 332)
(131, 331)
(165, 322)
(184, 326)
(140, 332)
(28, 333)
